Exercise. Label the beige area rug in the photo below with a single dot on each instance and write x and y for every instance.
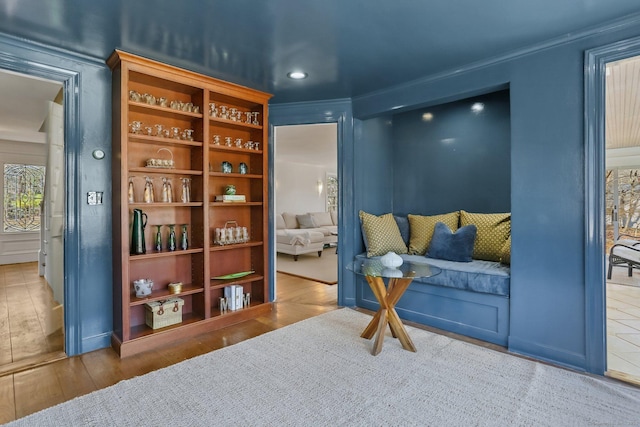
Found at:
(310, 266)
(319, 372)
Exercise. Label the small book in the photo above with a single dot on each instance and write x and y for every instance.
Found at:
(231, 198)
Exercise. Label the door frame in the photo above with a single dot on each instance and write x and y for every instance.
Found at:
(318, 112)
(594, 114)
(70, 81)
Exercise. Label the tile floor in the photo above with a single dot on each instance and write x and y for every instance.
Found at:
(623, 324)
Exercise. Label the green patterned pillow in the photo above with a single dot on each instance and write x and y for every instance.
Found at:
(493, 231)
(422, 229)
(381, 234)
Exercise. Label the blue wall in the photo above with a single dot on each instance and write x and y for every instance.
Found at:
(87, 236)
(454, 159)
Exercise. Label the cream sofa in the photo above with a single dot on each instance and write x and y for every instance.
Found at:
(298, 234)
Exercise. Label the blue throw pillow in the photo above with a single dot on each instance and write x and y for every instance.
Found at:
(450, 246)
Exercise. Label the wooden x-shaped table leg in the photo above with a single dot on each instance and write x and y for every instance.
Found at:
(387, 314)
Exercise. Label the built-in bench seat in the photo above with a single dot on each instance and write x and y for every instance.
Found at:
(469, 298)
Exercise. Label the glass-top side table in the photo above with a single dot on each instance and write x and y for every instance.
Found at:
(398, 281)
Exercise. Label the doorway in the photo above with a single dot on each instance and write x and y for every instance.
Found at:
(622, 216)
(305, 188)
(33, 216)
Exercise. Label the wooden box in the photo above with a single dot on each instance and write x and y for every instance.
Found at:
(159, 314)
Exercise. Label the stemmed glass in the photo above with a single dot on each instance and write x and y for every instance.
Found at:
(148, 190)
(185, 195)
(184, 240)
(167, 191)
(172, 237)
(130, 190)
(157, 245)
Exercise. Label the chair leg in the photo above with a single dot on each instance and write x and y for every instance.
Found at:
(630, 270)
(610, 270)
(295, 257)
(319, 253)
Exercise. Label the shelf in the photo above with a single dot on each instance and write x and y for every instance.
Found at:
(235, 175)
(140, 331)
(164, 141)
(232, 123)
(165, 254)
(166, 205)
(220, 283)
(165, 111)
(166, 171)
(163, 294)
(228, 205)
(215, 311)
(233, 149)
(234, 246)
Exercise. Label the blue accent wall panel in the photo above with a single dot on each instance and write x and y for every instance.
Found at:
(454, 156)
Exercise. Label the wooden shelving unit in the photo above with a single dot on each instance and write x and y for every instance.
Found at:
(200, 160)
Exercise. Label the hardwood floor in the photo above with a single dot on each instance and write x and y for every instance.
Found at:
(30, 320)
(35, 389)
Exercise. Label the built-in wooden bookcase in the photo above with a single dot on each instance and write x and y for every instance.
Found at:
(199, 159)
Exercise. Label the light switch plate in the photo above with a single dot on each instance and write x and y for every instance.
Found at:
(94, 197)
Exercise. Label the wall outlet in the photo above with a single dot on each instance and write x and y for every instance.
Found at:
(94, 197)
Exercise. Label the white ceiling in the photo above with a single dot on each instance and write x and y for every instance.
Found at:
(315, 145)
(24, 105)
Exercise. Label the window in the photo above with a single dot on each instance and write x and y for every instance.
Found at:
(23, 193)
(332, 193)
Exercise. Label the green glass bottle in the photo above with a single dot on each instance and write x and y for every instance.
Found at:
(172, 237)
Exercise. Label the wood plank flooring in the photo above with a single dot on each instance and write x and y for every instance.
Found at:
(30, 320)
(35, 389)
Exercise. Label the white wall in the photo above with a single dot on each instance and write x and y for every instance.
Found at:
(297, 187)
(19, 247)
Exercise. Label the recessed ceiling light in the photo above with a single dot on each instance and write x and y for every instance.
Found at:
(297, 75)
(427, 117)
(477, 107)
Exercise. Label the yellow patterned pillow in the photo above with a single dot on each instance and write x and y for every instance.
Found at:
(381, 234)
(505, 252)
(422, 229)
(493, 231)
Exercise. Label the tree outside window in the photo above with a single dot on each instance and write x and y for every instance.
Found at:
(23, 194)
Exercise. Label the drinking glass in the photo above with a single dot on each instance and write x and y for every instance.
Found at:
(130, 190)
(157, 244)
(184, 239)
(148, 190)
(167, 191)
(185, 194)
(171, 244)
